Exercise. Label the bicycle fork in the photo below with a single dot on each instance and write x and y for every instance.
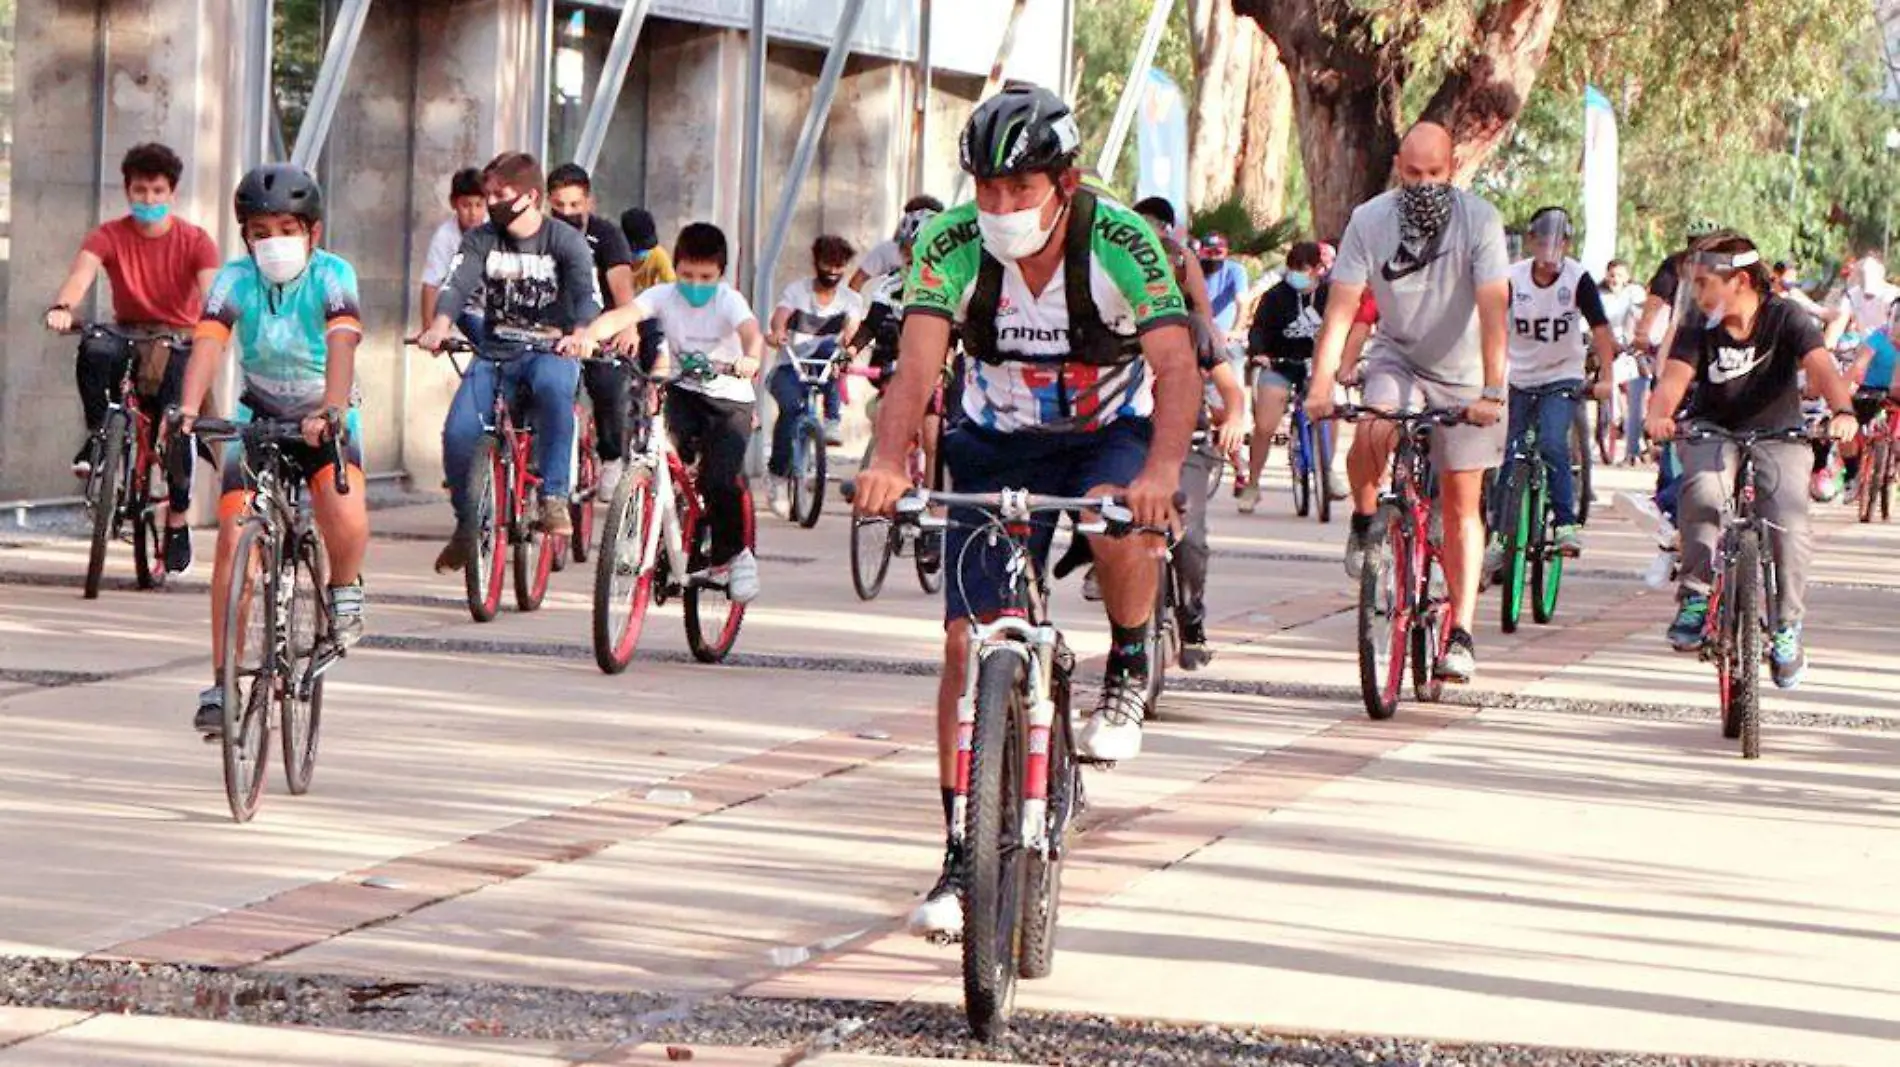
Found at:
(1037, 647)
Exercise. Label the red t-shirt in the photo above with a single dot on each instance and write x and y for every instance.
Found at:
(1368, 313)
(154, 279)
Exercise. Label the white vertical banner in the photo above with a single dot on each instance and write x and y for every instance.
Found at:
(1599, 182)
(1161, 142)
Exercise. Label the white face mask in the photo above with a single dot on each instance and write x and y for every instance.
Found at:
(281, 259)
(1018, 234)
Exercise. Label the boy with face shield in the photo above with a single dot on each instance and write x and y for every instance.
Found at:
(292, 308)
(1556, 320)
(1743, 348)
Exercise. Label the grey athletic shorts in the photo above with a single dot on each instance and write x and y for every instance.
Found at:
(1392, 384)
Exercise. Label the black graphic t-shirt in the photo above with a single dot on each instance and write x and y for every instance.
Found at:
(1286, 323)
(1748, 383)
(536, 284)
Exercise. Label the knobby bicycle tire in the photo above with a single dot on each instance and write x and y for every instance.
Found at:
(308, 630)
(580, 511)
(107, 495)
(1547, 564)
(1324, 467)
(712, 646)
(1161, 635)
(1745, 680)
(1582, 469)
(993, 896)
(623, 578)
(488, 497)
(249, 677)
(1042, 879)
(1431, 628)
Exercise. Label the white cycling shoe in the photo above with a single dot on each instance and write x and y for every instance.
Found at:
(1113, 733)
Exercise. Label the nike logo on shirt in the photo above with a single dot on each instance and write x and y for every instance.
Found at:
(1394, 273)
(1733, 363)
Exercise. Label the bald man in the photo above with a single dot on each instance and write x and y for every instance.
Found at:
(1435, 259)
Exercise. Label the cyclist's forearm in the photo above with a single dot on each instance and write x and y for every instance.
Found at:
(1822, 371)
(1494, 304)
(339, 370)
(1605, 345)
(78, 281)
(200, 371)
(428, 304)
(1227, 384)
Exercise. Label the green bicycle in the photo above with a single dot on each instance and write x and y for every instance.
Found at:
(1528, 521)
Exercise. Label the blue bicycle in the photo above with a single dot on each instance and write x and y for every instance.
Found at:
(1310, 452)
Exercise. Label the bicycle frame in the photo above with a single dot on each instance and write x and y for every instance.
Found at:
(1738, 518)
(659, 462)
(142, 445)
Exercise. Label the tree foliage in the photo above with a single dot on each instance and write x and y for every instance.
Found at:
(1107, 33)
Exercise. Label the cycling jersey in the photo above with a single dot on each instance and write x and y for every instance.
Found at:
(1035, 386)
(1880, 368)
(283, 331)
(1551, 324)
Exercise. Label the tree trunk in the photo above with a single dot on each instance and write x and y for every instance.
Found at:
(1346, 91)
(1221, 64)
(1481, 97)
(1346, 97)
(1267, 132)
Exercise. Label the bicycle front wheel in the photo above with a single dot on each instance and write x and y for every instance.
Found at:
(871, 550)
(106, 496)
(1431, 628)
(251, 675)
(994, 889)
(308, 631)
(808, 474)
(1161, 640)
(623, 576)
(1382, 635)
(1744, 682)
(488, 500)
(1547, 571)
(711, 633)
(1042, 893)
(1301, 468)
(1518, 502)
(1582, 468)
(581, 509)
(1323, 472)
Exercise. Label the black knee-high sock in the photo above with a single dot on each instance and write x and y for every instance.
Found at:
(1128, 650)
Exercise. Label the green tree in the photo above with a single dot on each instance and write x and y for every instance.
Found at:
(1107, 32)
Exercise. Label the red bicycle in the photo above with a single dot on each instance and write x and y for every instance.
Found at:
(580, 506)
(655, 539)
(505, 491)
(1879, 454)
(1404, 606)
(127, 485)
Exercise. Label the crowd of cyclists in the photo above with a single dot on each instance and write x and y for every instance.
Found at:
(1086, 345)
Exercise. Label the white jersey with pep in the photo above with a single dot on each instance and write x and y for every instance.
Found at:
(1549, 340)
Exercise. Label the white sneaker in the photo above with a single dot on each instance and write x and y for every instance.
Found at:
(1662, 571)
(1249, 499)
(939, 916)
(1641, 509)
(610, 474)
(779, 497)
(1113, 733)
(742, 578)
(1493, 557)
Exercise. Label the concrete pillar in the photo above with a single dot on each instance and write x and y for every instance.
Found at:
(169, 66)
(694, 125)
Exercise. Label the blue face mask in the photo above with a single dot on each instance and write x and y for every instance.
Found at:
(1299, 280)
(698, 294)
(640, 254)
(151, 214)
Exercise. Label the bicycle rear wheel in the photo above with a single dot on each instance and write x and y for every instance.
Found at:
(1322, 472)
(711, 633)
(250, 677)
(148, 548)
(1547, 569)
(1431, 628)
(808, 474)
(1161, 640)
(308, 631)
(623, 576)
(1518, 501)
(1382, 633)
(581, 509)
(488, 498)
(1887, 463)
(994, 889)
(106, 496)
(1744, 683)
(534, 554)
(1042, 892)
(1582, 467)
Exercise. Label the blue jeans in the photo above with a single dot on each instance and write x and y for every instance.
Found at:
(551, 380)
(1555, 416)
(1633, 420)
(788, 391)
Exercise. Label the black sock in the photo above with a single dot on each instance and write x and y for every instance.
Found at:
(1128, 650)
(1850, 467)
(949, 807)
(1461, 636)
(1361, 524)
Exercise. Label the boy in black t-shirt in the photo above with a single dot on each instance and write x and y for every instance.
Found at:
(1743, 349)
(571, 199)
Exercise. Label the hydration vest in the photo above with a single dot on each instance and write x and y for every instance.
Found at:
(1090, 340)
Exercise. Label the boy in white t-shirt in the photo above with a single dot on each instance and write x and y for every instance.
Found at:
(714, 352)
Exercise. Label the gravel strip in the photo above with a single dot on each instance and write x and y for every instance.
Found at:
(805, 1027)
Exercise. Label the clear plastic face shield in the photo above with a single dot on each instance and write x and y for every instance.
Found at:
(1548, 239)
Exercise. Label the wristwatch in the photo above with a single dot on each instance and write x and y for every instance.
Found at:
(1492, 392)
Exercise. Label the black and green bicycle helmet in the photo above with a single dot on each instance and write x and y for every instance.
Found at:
(279, 189)
(1021, 130)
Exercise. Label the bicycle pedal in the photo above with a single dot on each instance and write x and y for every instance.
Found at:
(1090, 761)
(943, 940)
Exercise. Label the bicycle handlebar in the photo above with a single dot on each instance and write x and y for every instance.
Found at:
(1427, 416)
(1744, 437)
(271, 431)
(127, 333)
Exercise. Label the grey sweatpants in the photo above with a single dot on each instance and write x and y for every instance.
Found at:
(1781, 497)
(1190, 554)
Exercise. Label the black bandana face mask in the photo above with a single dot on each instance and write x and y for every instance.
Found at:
(1423, 211)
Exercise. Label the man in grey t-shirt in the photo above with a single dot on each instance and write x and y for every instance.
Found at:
(1435, 259)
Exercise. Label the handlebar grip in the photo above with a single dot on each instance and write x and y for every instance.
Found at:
(849, 490)
(337, 461)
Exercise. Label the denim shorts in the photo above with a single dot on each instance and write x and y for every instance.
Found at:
(1056, 464)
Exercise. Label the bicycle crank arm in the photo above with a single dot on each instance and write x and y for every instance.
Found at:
(325, 659)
